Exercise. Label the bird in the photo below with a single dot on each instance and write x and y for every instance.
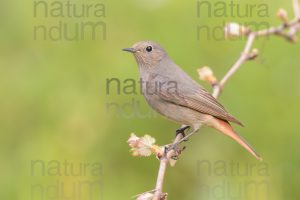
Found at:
(174, 94)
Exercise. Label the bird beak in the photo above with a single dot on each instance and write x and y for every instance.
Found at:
(131, 50)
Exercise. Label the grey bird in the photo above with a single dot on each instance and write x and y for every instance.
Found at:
(175, 95)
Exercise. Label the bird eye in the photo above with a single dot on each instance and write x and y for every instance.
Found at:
(149, 48)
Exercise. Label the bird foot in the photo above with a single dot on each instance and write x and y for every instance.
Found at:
(175, 148)
(181, 131)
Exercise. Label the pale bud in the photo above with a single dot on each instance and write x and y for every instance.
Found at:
(282, 15)
(145, 196)
(253, 54)
(206, 74)
(133, 141)
(234, 30)
(150, 195)
(144, 146)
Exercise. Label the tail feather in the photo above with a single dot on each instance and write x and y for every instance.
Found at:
(226, 128)
(233, 119)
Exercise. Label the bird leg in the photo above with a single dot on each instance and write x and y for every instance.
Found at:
(181, 130)
(174, 145)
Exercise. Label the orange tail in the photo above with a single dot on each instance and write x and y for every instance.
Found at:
(226, 128)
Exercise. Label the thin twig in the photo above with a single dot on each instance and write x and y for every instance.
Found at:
(162, 169)
(160, 178)
(243, 57)
(296, 7)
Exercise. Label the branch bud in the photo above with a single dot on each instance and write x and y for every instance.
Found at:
(291, 35)
(206, 74)
(144, 146)
(282, 15)
(233, 29)
(150, 195)
(253, 54)
(145, 196)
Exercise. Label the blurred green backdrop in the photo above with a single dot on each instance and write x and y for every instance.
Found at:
(54, 107)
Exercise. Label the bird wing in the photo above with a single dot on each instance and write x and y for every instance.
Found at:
(190, 94)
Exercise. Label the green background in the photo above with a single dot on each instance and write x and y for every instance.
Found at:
(53, 104)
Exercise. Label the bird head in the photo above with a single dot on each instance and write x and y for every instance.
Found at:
(147, 53)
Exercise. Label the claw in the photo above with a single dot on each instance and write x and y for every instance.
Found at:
(181, 131)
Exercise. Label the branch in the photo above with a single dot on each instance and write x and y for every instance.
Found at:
(296, 7)
(245, 55)
(231, 29)
(160, 178)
